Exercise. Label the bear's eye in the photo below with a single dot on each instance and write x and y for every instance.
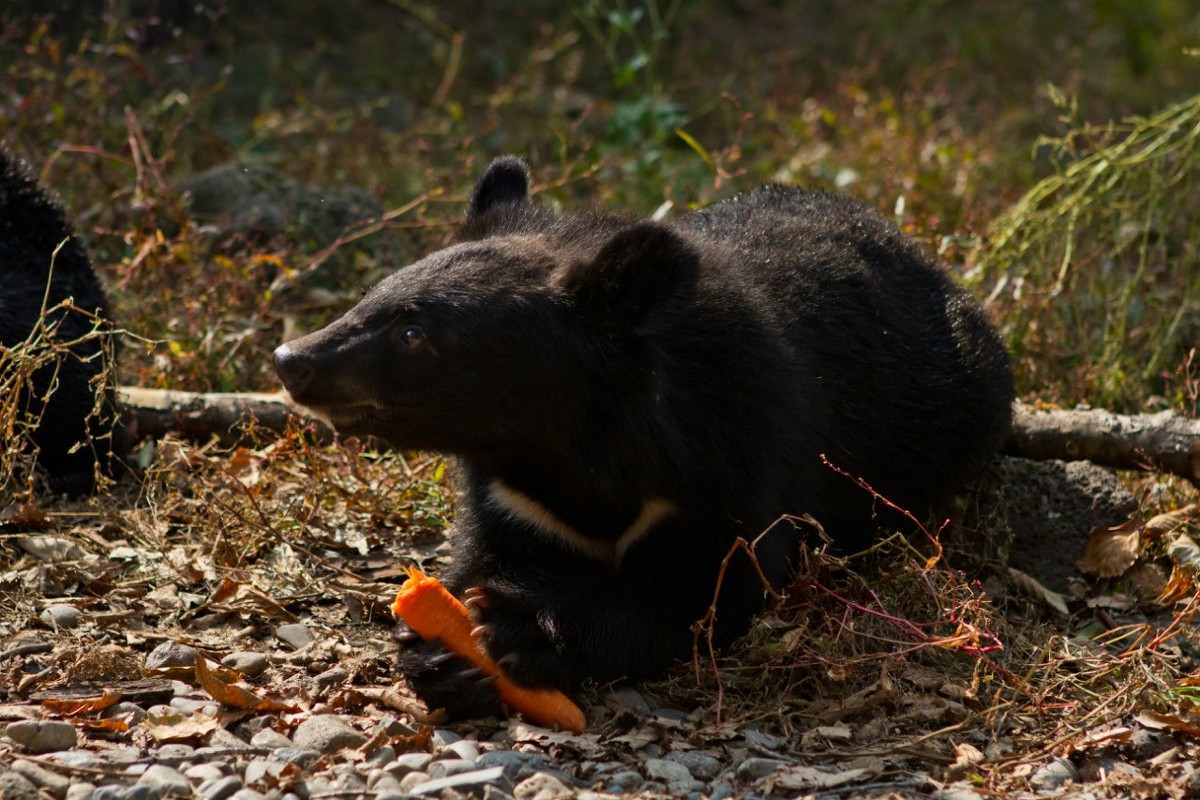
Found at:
(413, 336)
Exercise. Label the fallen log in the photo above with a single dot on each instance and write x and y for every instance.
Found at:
(199, 416)
(1166, 441)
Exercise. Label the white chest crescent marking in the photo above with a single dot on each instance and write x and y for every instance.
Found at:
(524, 508)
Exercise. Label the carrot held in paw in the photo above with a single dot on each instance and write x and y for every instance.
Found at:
(425, 605)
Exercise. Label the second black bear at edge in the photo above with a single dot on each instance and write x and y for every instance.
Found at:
(624, 398)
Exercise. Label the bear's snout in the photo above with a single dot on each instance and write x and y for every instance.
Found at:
(294, 368)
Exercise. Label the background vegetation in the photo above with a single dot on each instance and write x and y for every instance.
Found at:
(942, 113)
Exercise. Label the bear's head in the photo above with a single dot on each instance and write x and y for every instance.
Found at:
(525, 331)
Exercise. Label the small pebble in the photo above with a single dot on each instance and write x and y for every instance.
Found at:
(41, 777)
(1054, 774)
(382, 756)
(174, 753)
(134, 792)
(413, 779)
(674, 774)
(449, 766)
(755, 768)
(327, 733)
(270, 739)
(443, 737)
(248, 663)
(165, 781)
(464, 749)
(17, 787)
(171, 654)
(301, 756)
(410, 762)
(80, 790)
(248, 794)
(472, 782)
(295, 635)
(701, 765)
(720, 791)
(219, 789)
(210, 771)
(61, 615)
(625, 780)
(42, 735)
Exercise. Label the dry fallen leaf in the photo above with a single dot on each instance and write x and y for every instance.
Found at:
(1157, 720)
(1109, 552)
(106, 698)
(230, 693)
(1031, 586)
(175, 727)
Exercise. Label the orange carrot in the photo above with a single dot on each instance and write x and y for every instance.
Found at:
(425, 605)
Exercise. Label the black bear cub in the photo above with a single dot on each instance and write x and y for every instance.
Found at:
(41, 262)
(624, 398)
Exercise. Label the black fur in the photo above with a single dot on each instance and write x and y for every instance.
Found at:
(691, 371)
(31, 228)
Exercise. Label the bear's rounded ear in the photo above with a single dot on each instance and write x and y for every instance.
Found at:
(504, 182)
(643, 269)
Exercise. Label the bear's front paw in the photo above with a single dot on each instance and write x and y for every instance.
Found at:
(444, 680)
(521, 638)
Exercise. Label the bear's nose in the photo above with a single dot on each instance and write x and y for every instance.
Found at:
(293, 368)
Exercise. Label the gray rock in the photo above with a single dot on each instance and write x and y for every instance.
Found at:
(321, 685)
(720, 791)
(209, 771)
(409, 762)
(443, 737)
(48, 780)
(225, 740)
(449, 766)
(81, 759)
(464, 782)
(165, 781)
(80, 790)
(301, 756)
(327, 733)
(42, 735)
(413, 779)
(270, 739)
(14, 786)
(625, 781)
(1054, 774)
(295, 635)
(464, 749)
(192, 705)
(382, 756)
(250, 664)
(174, 753)
(134, 792)
(385, 785)
(675, 775)
(632, 698)
(248, 794)
(61, 615)
(701, 765)
(219, 789)
(171, 654)
(753, 769)
(957, 791)
(669, 714)
(511, 760)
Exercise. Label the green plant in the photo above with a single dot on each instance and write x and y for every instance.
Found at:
(1096, 270)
